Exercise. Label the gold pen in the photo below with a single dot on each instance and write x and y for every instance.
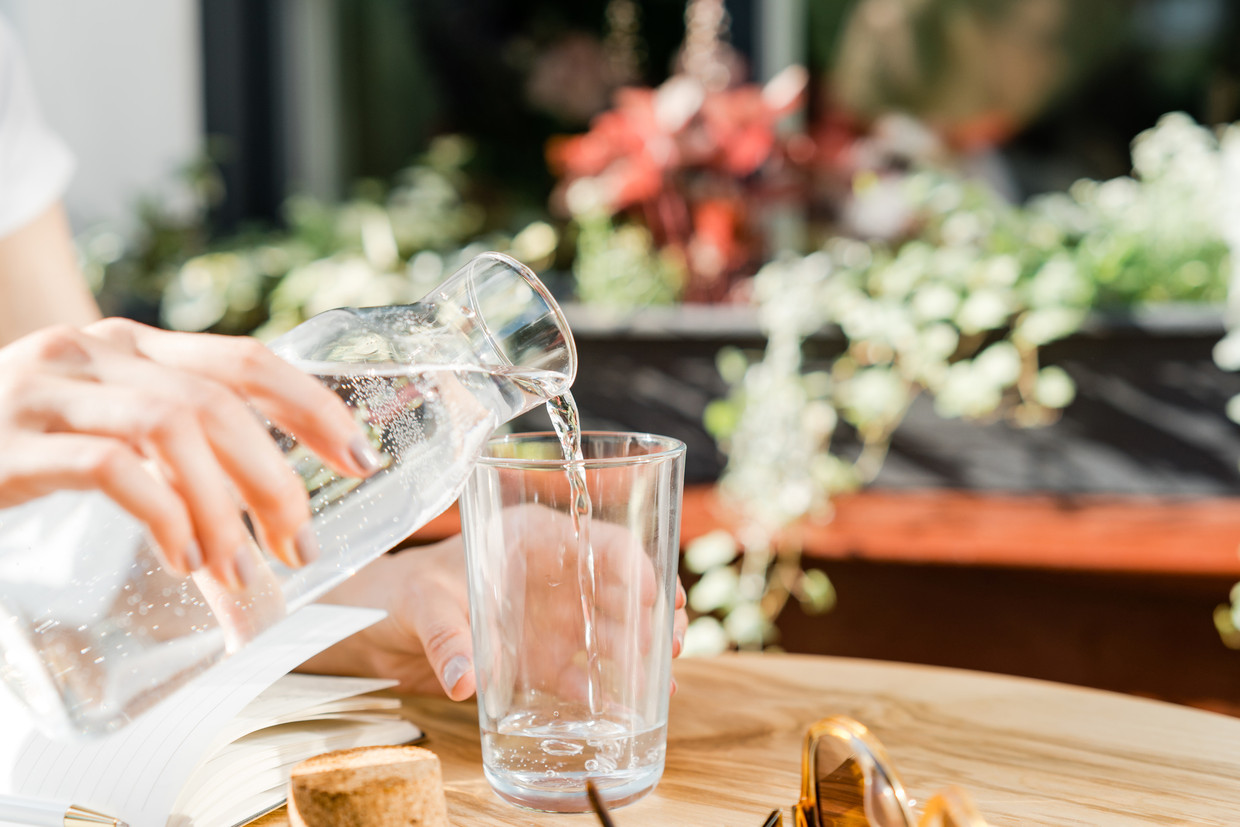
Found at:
(40, 813)
(81, 817)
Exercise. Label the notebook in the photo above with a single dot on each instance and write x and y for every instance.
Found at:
(219, 751)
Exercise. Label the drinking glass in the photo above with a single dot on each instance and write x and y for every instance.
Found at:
(572, 603)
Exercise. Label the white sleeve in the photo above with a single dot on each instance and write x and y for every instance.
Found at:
(35, 164)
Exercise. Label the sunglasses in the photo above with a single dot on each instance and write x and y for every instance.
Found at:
(847, 781)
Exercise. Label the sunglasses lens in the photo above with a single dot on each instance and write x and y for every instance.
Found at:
(854, 788)
(840, 784)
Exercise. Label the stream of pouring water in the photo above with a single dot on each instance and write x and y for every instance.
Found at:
(566, 421)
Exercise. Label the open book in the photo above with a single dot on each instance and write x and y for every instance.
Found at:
(218, 752)
(301, 716)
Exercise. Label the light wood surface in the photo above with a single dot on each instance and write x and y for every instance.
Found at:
(1030, 752)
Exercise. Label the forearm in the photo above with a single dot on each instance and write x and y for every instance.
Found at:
(40, 281)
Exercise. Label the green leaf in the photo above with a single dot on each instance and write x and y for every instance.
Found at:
(815, 592)
(721, 417)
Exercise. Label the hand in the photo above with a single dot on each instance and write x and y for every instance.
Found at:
(424, 642)
(165, 424)
(536, 584)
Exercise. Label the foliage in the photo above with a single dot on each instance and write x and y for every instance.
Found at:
(958, 309)
(387, 245)
(618, 267)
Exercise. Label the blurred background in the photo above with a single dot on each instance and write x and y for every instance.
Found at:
(938, 292)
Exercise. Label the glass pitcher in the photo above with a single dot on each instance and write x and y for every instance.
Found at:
(93, 630)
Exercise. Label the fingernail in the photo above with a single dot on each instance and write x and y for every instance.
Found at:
(681, 597)
(306, 544)
(193, 556)
(364, 454)
(244, 573)
(674, 686)
(678, 643)
(454, 670)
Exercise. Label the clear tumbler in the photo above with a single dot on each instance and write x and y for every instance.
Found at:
(572, 605)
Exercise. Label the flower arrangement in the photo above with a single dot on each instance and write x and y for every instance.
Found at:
(957, 307)
(692, 167)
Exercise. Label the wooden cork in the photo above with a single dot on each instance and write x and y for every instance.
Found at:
(399, 786)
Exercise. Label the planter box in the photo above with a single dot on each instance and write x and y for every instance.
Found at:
(1148, 418)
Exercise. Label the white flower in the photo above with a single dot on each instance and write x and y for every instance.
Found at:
(200, 293)
(1037, 327)
(704, 637)
(1000, 271)
(965, 392)
(746, 624)
(717, 548)
(1227, 351)
(983, 310)
(1058, 281)
(1118, 195)
(585, 195)
(961, 228)
(1000, 363)
(939, 340)
(717, 588)
(935, 301)
(874, 395)
(819, 420)
(1054, 387)
(952, 264)
(536, 242)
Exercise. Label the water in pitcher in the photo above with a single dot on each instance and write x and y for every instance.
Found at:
(111, 647)
(427, 423)
(93, 630)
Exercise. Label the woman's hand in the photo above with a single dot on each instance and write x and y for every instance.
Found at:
(424, 642)
(165, 424)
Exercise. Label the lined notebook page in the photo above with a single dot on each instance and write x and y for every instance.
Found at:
(137, 773)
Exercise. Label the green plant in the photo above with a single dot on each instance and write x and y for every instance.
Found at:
(959, 310)
(389, 244)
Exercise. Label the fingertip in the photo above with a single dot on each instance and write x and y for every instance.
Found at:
(186, 560)
(235, 572)
(193, 557)
(364, 455)
(464, 689)
(245, 569)
(458, 678)
(306, 545)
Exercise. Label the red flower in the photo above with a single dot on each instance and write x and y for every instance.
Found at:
(680, 159)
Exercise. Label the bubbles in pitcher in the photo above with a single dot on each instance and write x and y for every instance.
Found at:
(426, 423)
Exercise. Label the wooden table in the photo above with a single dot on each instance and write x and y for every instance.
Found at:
(1030, 752)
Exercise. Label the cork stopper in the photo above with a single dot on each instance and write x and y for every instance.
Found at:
(390, 786)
